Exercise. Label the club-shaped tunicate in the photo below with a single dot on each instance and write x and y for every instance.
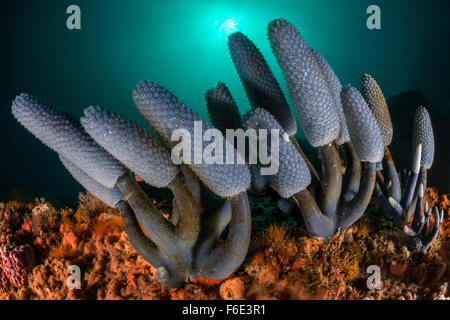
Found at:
(166, 113)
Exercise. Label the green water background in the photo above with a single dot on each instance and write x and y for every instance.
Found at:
(179, 45)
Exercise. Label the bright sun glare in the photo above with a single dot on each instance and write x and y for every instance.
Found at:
(228, 27)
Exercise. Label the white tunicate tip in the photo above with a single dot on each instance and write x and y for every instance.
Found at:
(393, 202)
(417, 156)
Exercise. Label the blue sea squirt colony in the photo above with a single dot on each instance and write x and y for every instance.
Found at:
(351, 129)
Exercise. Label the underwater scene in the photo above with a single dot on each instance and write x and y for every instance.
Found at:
(225, 150)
